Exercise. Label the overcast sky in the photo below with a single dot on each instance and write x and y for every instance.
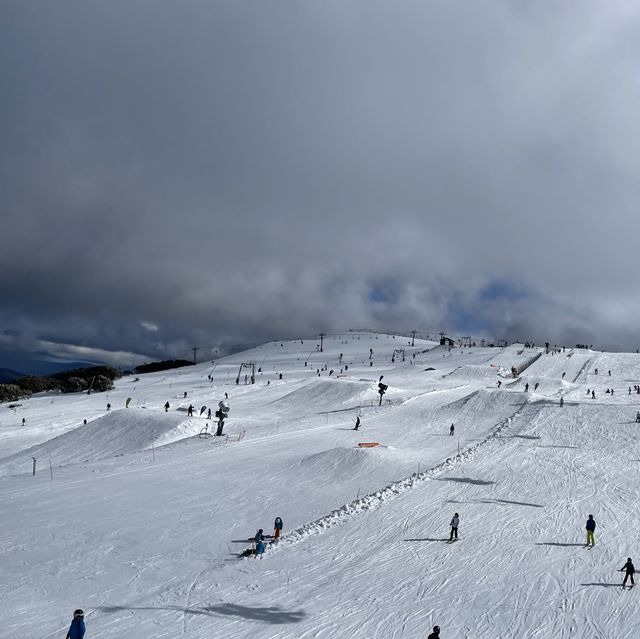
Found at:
(193, 173)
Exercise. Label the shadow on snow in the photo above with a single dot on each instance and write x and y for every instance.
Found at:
(271, 614)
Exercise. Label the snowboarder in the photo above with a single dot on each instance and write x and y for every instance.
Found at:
(435, 634)
(561, 402)
(77, 627)
(277, 528)
(591, 528)
(166, 407)
(357, 426)
(455, 520)
(190, 410)
(629, 570)
(452, 429)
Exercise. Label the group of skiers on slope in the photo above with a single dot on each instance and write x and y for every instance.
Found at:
(259, 545)
(628, 568)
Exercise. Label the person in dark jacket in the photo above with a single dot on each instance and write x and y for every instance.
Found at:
(629, 571)
(357, 426)
(435, 634)
(277, 528)
(77, 627)
(259, 536)
(591, 528)
(455, 520)
(452, 429)
(166, 407)
(190, 410)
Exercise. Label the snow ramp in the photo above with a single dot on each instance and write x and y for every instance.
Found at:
(322, 395)
(116, 433)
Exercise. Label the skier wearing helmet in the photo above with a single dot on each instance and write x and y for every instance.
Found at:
(77, 627)
(435, 634)
(629, 570)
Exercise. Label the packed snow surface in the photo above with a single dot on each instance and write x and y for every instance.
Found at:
(140, 517)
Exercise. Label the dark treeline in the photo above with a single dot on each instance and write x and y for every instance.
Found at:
(94, 378)
(154, 367)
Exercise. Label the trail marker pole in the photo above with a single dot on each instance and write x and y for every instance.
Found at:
(34, 466)
(51, 469)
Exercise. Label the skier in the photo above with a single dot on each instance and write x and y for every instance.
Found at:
(591, 528)
(609, 373)
(357, 426)
(499, 383)
(185, 394)
(455, 520)
(452, 428)
(561, 402)
(596, 371)
(629, 570)
(108, 406)
(209, 413)
(535, 388)
(166, 407)
(77, 627)
(24, 421)
(593, 394)
(190, 410)
(526, 387)
(435, 634)
(277, 528)
(226, 395)
(638, 417)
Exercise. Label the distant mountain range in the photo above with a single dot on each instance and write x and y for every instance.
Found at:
(8, 375)
(15, 365)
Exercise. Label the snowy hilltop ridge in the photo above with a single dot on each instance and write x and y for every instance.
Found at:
(139, 516)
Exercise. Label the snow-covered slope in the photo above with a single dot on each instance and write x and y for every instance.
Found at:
(143, 520)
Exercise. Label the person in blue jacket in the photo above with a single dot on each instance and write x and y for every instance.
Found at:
(77, 627)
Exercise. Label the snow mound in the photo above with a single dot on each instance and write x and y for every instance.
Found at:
(324, 394)
(117, 433)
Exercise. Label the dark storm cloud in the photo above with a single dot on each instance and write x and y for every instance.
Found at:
(232, 171)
